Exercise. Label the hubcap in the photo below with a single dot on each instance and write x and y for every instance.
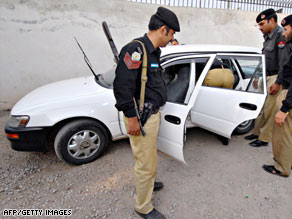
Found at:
(83, 144)
(243, 125)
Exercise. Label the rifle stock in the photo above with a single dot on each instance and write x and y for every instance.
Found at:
(111, 41)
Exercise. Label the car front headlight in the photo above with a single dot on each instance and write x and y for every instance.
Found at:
(18, 121)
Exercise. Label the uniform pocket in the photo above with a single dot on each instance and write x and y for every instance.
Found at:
(269, 53)
(269, 48)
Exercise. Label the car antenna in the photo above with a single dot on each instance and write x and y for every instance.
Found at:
(111, 41)
(87, 60)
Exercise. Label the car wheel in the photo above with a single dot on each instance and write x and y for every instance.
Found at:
(80, 141)
(244, 127)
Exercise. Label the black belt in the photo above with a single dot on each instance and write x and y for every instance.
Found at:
(272, 73)
(155, 109)
(285, 87)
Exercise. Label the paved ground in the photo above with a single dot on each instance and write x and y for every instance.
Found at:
(219, 182)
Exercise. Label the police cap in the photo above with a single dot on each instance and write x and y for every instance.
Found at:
(265, 15)
(168, 17)
(287, 20)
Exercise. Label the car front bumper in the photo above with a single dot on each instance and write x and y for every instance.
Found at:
(27, 139)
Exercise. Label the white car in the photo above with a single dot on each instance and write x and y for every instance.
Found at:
(79, 117)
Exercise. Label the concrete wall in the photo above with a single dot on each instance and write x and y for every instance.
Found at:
(37, 45)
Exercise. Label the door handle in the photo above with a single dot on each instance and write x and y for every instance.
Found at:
(248, 106)
(172, 119)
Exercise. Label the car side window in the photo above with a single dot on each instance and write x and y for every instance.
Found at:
(251, 69)
(180, 78)
(199, 66)
(242, 73)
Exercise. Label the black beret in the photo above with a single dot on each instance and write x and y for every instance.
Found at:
(265, 15)
(287, 20)
(168, 17)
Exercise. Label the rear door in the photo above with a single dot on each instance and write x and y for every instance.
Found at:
(180, 75)
(221, 110)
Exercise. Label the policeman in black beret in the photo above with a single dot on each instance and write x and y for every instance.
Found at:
(266, 15)
(127, 90)
(287, 23)
(276, 53)
(282, 131)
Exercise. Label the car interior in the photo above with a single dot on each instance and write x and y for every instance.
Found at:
(221, 75)
(177, 80)
(177, 76)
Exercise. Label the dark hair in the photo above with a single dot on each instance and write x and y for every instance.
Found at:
(274, 16)
(155, 23)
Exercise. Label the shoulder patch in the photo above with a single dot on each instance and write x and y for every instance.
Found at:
(136, 56)
(281, 44)
(130, 63)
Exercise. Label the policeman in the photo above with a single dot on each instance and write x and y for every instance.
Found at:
(282, 130)
(127, 85)
(276, 53)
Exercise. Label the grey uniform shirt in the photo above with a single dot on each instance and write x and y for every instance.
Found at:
(276, 52)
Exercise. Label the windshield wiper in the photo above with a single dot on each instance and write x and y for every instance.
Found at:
(87, 61)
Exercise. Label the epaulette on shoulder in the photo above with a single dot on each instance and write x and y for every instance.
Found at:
(279, 32)
(136, 45)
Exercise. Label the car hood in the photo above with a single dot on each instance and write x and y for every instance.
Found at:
(59, 92)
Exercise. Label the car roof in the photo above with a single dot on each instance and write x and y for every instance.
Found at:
(198, 49)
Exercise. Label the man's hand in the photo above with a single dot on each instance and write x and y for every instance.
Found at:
(280, 118)
(133, 126)
(274, 89)
(255, 83)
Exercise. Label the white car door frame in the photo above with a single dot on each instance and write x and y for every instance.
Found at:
(172, 130)
(221, 110)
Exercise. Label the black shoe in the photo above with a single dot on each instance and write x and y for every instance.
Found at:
(272, 170)
(258, 143)
(251, 137)
(157, 186)
(152, 215)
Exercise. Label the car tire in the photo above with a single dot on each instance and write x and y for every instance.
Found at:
(244, 127)
(80, 141)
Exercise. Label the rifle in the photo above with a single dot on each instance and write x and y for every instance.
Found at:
(111, 41)
(116, 59)
(87, 60)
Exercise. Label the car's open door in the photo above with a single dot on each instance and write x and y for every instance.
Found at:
(180, 75)
(221, 110)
